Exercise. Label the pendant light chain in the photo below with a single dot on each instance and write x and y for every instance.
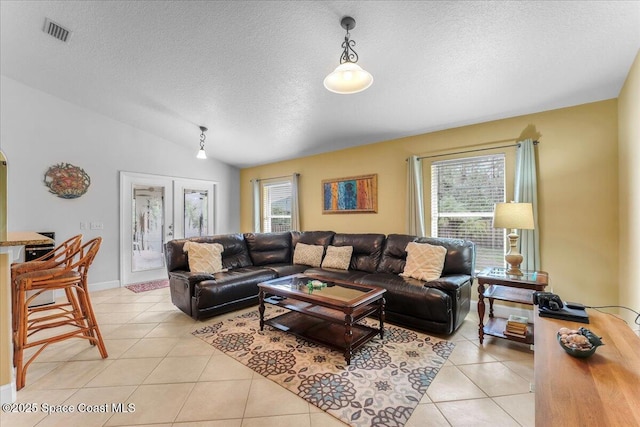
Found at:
(349, 54)
(202, 138)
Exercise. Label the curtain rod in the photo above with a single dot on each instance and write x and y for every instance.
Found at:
(473, 151)
(274, 177)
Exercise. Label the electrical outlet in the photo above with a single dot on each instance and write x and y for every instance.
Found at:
(97, 226)
(83, 226)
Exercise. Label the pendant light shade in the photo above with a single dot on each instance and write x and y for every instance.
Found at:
(348, 77)
(201, 153)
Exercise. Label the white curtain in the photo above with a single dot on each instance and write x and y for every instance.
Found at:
(295, 208)
(415, 205)
(526, 191)
(256, 205)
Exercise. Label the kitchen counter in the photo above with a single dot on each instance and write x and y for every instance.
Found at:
(21, 238)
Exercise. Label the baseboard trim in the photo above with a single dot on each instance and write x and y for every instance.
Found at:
(8, 393)
(94, 287)
(102, 286)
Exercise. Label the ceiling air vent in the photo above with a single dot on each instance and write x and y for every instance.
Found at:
(56, 30)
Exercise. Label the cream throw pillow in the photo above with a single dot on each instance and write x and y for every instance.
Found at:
(338, 257)
(424, 261)
(308, 254)
(204, 257)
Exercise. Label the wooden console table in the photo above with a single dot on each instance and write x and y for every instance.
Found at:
(602, 390)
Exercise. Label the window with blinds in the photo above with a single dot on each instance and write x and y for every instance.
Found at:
(276, 207)
(463, 192)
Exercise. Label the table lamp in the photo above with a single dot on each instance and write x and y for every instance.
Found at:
(514, 216)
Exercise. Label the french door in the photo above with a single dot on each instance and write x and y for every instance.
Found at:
(153, 210)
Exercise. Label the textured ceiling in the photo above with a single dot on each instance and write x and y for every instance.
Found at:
(252, 71)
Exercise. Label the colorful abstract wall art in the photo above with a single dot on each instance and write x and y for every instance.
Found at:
(356, 194)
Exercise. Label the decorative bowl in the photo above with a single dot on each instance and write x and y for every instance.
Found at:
(573, 343)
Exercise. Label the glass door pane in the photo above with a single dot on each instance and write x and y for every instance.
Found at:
(194, 208)
(146, 223)
(196, 216)
(148, 228)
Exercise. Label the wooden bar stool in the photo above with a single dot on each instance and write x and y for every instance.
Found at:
(51, 259)
(75, 317)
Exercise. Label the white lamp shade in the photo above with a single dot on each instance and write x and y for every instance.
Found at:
(201, 154)
(348, 78)
(517, 216)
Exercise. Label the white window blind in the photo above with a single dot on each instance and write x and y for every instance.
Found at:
(463, 192)
(276, 207)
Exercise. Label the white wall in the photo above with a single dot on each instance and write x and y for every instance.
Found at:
(38, 130)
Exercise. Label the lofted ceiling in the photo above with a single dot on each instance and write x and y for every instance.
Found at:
(252, 71)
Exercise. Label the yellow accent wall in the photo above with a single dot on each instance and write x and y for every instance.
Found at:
(578, 189)
(629, 191)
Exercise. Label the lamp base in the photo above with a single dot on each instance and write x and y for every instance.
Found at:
(514, 270)
(513, 257)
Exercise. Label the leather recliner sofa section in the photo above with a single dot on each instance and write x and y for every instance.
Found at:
(438, 306)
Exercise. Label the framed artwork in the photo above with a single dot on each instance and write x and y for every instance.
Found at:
(355, 194)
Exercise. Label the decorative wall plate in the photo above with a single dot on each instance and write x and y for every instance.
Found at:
(67, 181)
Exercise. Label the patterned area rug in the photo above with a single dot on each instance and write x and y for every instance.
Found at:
(148, 286)
(382, 386)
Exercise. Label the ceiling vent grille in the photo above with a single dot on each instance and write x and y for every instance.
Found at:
(56, 30)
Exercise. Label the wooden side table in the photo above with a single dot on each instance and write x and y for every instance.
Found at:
(495, 284)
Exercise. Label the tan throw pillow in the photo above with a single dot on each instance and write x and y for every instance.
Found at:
(424, 261)
(338, 257)
(204, 257)
(308, 254)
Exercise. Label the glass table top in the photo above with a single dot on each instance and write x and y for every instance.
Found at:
(499, 273)
(300, 285)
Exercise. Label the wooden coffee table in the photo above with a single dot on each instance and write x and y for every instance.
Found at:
(326, 316)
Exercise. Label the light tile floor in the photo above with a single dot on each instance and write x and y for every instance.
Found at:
(175, 379)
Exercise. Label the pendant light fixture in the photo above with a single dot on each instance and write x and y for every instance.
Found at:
(202, 154)
(348, 77)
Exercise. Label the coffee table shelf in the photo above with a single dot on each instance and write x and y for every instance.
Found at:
(328, 315)
(321, 332)
(322, 312)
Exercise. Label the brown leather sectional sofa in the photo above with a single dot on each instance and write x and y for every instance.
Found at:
(437, 306)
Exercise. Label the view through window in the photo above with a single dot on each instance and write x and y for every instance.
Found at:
(463, 193)
(276, 207)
